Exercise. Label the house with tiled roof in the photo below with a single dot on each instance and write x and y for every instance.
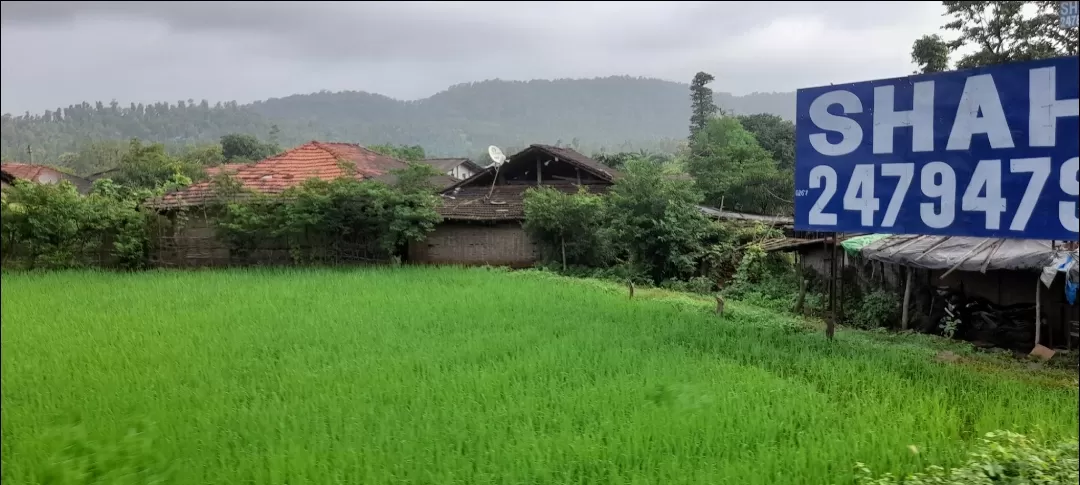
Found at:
(483, 214)
(41, 174)
(272, 176)
(194, 243)
(458, 168)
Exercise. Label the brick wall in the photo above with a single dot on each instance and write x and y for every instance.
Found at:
(503, 244)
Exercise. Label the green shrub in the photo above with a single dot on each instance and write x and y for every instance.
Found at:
(568, 227)
(319, 215)
(878, 308)
(51, 226)
(1001, 457)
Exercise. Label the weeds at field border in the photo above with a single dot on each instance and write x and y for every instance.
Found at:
(969, 356)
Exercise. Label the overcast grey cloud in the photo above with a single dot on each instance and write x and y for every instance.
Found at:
(58, 53)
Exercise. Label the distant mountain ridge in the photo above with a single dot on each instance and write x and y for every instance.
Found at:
(618, 113)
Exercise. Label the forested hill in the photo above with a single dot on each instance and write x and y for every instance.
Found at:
(612, 114)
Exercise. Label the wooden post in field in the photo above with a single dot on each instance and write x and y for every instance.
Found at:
(1038, 311)
(799, 302)
(907, 300)
(1039, 351)
(563, 245)
(830, 326)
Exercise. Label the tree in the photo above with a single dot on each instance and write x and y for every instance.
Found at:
(150, 167)
(702, 106)
(931, 54)
(407, 153)
(205, 155)
(275, 132)
(998, 32)
(775, 134)
(655, 221)
(569, 227)
(95, 157)
(732, 170)
(617, 160)
(238, 147)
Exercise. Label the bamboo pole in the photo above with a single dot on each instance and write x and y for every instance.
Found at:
(970, 254)
(907, 300)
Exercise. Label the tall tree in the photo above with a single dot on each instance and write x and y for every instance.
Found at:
(701, 102)
(733, 171)
(931, 54)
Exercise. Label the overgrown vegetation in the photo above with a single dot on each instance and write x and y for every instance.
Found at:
(408, 153)
(649, 229)
(52, 226)
(324, 376)
(324, 221)
(877, 309)
(1001, 457)
(241, 148)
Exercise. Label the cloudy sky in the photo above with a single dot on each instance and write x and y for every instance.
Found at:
(59, 53)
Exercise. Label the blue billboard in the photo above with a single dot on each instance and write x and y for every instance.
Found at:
(987, 152)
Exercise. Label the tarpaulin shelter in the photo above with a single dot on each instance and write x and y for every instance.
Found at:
(973, 254)
(962, 253)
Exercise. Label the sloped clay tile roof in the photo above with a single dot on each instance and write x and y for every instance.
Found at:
(23, 171)
(276, 174)
(33, 173)
(225, 167)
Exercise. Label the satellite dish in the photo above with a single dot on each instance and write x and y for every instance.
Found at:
(497, 156)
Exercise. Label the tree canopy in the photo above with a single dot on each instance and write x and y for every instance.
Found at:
(614, 114)
(995, 32)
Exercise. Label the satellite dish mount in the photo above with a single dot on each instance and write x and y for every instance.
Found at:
(497, 156)
(497, 159)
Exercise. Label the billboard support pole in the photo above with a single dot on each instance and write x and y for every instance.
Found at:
(830, 327)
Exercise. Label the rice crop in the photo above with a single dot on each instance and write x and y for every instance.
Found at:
(453, 376)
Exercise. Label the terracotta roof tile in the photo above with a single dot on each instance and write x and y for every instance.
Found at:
(225, 167)
(34, 173)
(24, 171)
(276, 174)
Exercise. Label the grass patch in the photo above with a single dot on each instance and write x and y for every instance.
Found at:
(424, 375)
